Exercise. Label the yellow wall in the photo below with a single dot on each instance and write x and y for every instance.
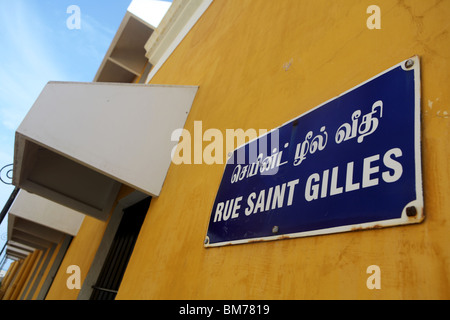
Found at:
(39, 270)
(9, 278)
(81, 253)
(45, 272)
(236, 53)
(18, 283)
(31, 275)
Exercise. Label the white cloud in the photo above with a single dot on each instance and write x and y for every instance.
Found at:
(29, 39)
(92, 40)
(27, 64)
(37, 53)
(151, 11)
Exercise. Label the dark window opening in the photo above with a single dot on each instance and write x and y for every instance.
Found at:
(120, 252)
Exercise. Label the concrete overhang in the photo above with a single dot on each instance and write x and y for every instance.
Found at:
(81, 141)
(18, 250)
(125, 59)
(38, 223)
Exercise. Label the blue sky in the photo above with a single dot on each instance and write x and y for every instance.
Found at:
(37, 47)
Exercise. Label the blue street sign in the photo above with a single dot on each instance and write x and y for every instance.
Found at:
(352, 163)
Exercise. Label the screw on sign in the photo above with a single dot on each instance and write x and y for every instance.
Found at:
(409, 63)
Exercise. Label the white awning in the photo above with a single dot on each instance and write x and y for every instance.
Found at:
(38, 222)
(81, 141)
(125, 59)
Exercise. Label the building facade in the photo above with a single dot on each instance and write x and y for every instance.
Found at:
(213, 66)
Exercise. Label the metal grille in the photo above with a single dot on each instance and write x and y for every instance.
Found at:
(119, 254)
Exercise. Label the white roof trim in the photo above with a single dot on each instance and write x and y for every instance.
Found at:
(179, 20)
